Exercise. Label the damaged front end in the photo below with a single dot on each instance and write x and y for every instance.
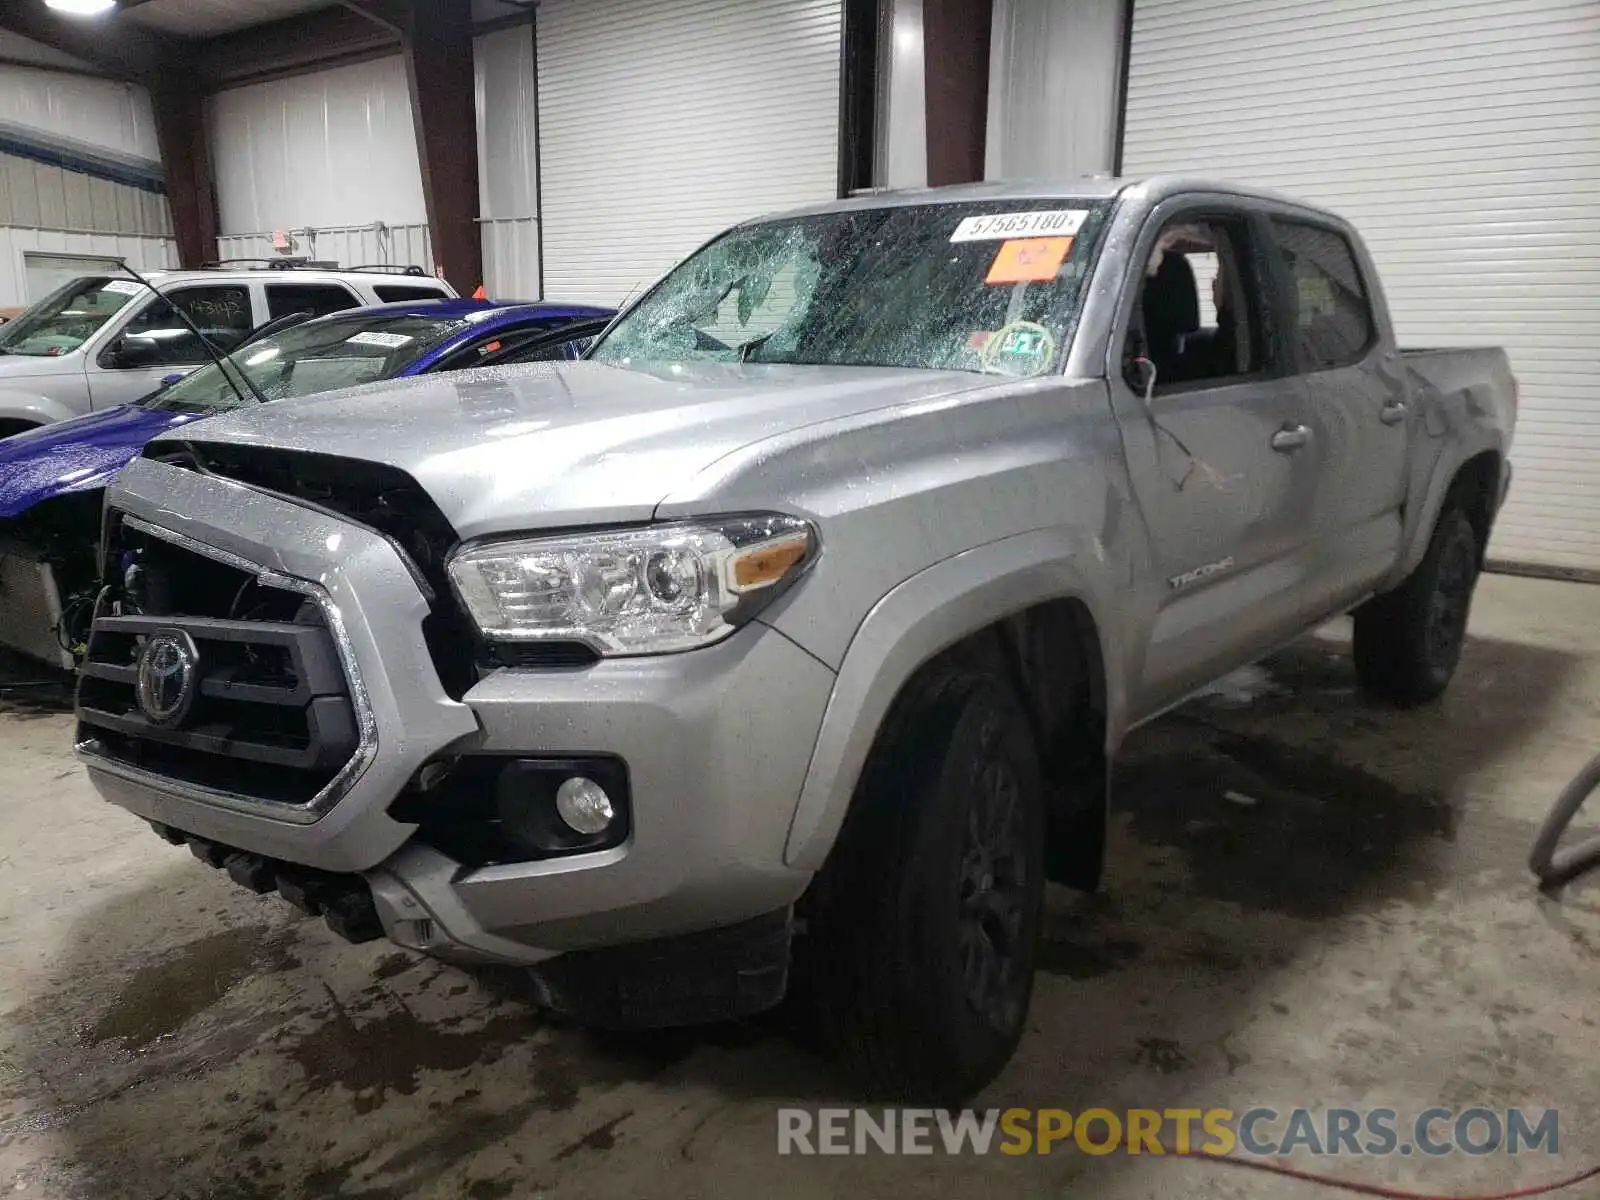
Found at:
(49, 577)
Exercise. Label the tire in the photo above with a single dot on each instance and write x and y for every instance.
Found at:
(923, 924)
(1407, 642)
(7, 428)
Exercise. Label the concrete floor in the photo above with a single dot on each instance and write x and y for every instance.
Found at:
(1364, 933)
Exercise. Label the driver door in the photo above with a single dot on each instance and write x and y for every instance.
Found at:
(156, 344)
(1215, 455)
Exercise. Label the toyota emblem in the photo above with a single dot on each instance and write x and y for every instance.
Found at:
(167, 677)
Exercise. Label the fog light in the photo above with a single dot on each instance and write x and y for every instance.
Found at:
(584, 805)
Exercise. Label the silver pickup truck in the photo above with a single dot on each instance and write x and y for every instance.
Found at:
(800, 623)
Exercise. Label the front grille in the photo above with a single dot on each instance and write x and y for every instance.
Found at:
(376, 496)
(266, 711)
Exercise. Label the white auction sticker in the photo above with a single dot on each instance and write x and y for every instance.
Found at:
(389, 341)
(1051, 222)
(123, 287)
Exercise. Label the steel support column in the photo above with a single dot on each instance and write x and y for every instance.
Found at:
(180, 113)
(955, 47)
(436, 38)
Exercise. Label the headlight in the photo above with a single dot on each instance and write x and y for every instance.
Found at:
(649, 590)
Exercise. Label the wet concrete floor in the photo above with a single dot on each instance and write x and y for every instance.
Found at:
(1313, 901)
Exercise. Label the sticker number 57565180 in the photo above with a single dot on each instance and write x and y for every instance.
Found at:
(1053, 222)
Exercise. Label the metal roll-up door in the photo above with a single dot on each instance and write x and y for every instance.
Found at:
(1463, 139)
(664, 121)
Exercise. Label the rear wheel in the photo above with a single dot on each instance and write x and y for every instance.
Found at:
(1408, 641)
(923, 923)
(7, 428)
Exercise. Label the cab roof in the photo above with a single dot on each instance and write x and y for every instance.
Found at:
(496, 310)
(1085, 187)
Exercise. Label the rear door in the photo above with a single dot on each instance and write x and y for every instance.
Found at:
(1355, 406)
(318, 299)
(1217, 456)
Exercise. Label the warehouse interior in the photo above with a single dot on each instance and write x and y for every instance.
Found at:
(1312, 899)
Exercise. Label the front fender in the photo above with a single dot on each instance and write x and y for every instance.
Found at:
(927, 613)
(18, 405)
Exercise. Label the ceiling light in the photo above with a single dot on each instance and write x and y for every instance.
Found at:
(82, 8)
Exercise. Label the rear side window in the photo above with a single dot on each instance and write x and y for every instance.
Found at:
(318, 299)
(391, 293)
(1333, 316)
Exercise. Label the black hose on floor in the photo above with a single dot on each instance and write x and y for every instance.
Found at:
(1551, 862)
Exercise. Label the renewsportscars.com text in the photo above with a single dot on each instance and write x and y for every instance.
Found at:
(1260, 1132)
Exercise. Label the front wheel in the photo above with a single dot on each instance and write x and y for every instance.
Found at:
(1408, 641)
(924, 921)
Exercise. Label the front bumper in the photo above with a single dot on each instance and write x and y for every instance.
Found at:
(716, 742)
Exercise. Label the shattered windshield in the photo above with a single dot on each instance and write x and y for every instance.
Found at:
(318, 356)
(68, 317)
(990, 287)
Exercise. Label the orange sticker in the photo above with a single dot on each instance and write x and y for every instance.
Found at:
(1029, 260)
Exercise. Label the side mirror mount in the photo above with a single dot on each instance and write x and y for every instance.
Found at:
(130, 352)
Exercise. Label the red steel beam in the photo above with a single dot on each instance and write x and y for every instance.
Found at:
(955, 44)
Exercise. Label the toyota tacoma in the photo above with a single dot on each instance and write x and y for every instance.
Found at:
(784, 642)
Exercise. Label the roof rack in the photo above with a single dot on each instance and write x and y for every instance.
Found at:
(413, 270)
(270, 264)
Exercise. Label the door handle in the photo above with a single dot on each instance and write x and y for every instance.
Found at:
(1290, 439)
(1393, 412)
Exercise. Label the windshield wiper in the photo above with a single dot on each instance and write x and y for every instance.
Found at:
(218, 359)
(745, 349)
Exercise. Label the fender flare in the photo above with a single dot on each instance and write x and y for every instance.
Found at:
(18, 405)
(918, 618)
(1421, 518)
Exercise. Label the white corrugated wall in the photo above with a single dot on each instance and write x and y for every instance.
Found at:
(74, 108)
(1463, 138)
(50, 209)
(508, 161)
(16, 245)
(329, 150)
(662, 122)
(902, 150)
(1052, 88)
(347, 245)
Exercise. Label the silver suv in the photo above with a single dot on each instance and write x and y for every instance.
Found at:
(796, 627)
(105, 340)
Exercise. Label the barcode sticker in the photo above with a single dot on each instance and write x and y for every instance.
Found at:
(1053, 222)
(123, 287)
(389, 341)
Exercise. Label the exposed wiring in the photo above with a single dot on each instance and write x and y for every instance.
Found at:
(1354, 1188)
(71, 630)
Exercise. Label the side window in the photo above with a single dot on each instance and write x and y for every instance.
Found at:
(549, 345)
(1198, 314)
(318, 299)
(391, 293)
(222, 313)
(550, 352)
(1333, 323)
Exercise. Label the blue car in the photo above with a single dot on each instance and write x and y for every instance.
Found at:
(51, 479)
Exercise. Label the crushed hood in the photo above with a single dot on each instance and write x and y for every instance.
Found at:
(526, 447)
